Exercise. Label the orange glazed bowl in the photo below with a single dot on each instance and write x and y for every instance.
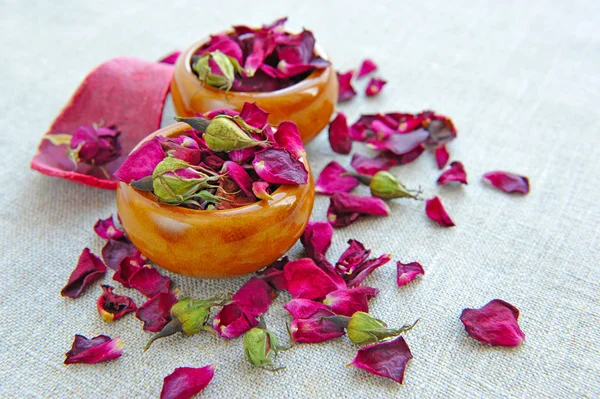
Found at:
(214, 243)
(309, 103)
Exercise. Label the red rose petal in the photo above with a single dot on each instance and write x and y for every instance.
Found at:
(149, 282)
(183, 147)
(354, 264)
(441, 129)
(239, 175)
(233, 321)
(170, 58)
(317, 238)
(508, 182)
(253, 115)
(111, 306)
(345, 208)
(374, 86)
(156, 312)
(89, 269)
(436, 212)
(369, 166)
(455, 173)
(111, 94)
(339, 135)
(407, 272)
(410, 156)
(186, 382)
(141, 162)
(310, 324)
(287, 136)
(366, 68)
(224, 44)
(387, 359)
(306, 280)
(400, 144)
(263, 45)
(331, 180)
(494, 324)
(358, 132)
(346, 91)
(94, 350)
(127, 268)
(276, 166)
(442, 156)
(261, 190)
(348, 301)
(255, 296)
(273, 274)
(105, 228)
(114, 251)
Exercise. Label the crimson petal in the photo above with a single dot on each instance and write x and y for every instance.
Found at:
(317, 238)
(400, 144)
(387, 359)
(112, 307)
(141, 162)
(346, 91)
(149, 282)
(239, 175)
(407, 272)
(436, 212)
(366, 68)
(311, 323)
(494, 324)
(186, 382)
(370, 166)
(348, 301)
(441, 156)
(331, 180)
(94, 350)
(170, 58)
(105, 228)
(287, 136)
(89, 269)
(339, 135)
(508, 182)
(114, 251)
(276, 166)
(232, 321)
(273, 274)
(455, 173)
(306, 280)
(254, 115)
(345, 208)
(156, 312)
(374, 86)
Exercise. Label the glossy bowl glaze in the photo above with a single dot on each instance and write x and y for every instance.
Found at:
(309, 103)
(218, 243)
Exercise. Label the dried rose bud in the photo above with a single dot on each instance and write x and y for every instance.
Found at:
(217, 69)
(385, 185)
(261, 347)
(224, 135)
(176, 181)
(365, 329)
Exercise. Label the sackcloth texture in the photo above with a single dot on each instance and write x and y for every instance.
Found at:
(521, 81)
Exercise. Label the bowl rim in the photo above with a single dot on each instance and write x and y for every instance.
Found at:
(186, 58)
(180, 128)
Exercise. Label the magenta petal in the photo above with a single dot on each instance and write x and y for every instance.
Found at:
(374, 86)
(306, 280)
(310, 324)
(346, 92)
(105, 228)
(254, 297)
(111, 306)
(262, 46)
(441, 156)
(508, 182)
(170, 58)
(317, 238)
(89, 269)
(273, 274)
(339, 135)
(182, 147)
(436, 212)
(387, 359)
(276, 166)
(114, 251)
(354, 264)
(94, 350)
(331, 180)
(254, 115)
(410, 156)
(298, 49)
(156, 312)
(224, 44)
(369, 166)
(232, 321)
(407, 272)
(345, 208)
(239, 175)
(186, 382)
(149, 282)
(455, 173)
(348, 301)
(287, 136)
(127, 268)
(358, 132)
(494, 324)
(400, 144)
(366, 68)
(220, 111)
(141, 162)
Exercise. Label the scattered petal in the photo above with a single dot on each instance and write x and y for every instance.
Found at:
(348, 301)
(354, 264)
(149, 282)
(508, 182)
(442, 156)
(186, 382)
(276, 166)
(455, 173)
(358, 132)
(387, 359)
(345, 208)
(374, 86)
(115, 251)
(369, 166)
(411, 156)
(156, 312)
(274, 275)
(232, 321)
(346, 92)
(339, 135)
(311, 323)
(112, 307)
(494, 324)
(127, 268)
(441, 129)
(94, 350)
(366, 68)
(306, 280)
(436, 212)
(400, 144)
(89, 269)
(105, 228)
(331, 180)
(317, 238)
(407, 272)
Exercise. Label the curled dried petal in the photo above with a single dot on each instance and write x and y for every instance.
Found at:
(348, 301)
(89, 269)
(407, 272)
(127, 268)
(276, 166)
(339, 135)
(105, 228)
(436, 212)
(494, 324)
(142, 162)
(94, 350)
(331, 180)
(400, 144)
(374, 86)
(273, 274)
(346, 92)
(156, 312)
(354, 264)
(112, 307)
(455, 173)
(186, 382)
(114, 251)
(442, 156)
(508, 182)
(306, 280)
(261, 190)
(370, 166)
(149, 282)
(311, 322)
(239, 175)
(317, 238)
(254, 116)
(232, 321)
(345, 208)
(366, 68)
(287, 136)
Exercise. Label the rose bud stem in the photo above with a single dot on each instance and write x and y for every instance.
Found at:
(364, 179)
(199, 124)
(143, 184)
(173, 327)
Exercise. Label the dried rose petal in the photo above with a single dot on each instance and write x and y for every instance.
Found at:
(220, 111)
(239, 175)
(111, 306)
(149, 282)
(339, 135)
(354, 264)
(156, 312)
(494, 324)
(374, 86)
(455, 173)
(346, 92)
(186, 382)
(441, 129)
(89, 269)
(441, 156)
(183, 147)
(255, 296)
(317, 238)
(369, 166)
(348, 301)
(387, 359)
(262, 190)
(235, 197)
(407, 272)
(323, 264)
(358, 132)
(95, 145)
(276, 166)
(233, 321)
(273, 274)
(141, 162)
(94, 350)
(170, 58)
(254, 115)
(306, 280)
(105, 228)
(410, 156)
(366, 68)
(508, 182)
(262, 46)
(287, 136)
(331, 180)
(346, 208)
(400, 144)
(127, 268)
(436, 212)
(311, 323)
(224, 44)
(115, 251)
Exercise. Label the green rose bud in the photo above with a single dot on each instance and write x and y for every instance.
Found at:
(384, 185)
(224, 135)
(261, 347)
(221, 79)
(364, 329)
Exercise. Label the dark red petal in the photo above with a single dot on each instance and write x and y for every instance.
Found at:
(374, 86)
(410, 156)
(494, 324)
(263, 45)
(239, 175)
(94, 350)
(310, 324)
(287, 136)
(273, 274)
(127, 268)
(224, 44)
(400, 144)
(253, 115)
(346, 91)
(105, 228)
(156, 312)
(360, 273)
(346, 208)
(141, 162)
(407, 272)
(170, 58)
(455, 173)
(276, 166)
(369, 166)
(442, 156)
(255, 296)
(89, 269)
(436, 212)
(111, 94)
(111, 306)
(331, 180)
(317, 238)
(186, 382)
(114, 251)
(354, 264)
(233, 321)
(508, 182)
(441, 129)
(387, 359)
(306, 280)
(358, 132)
(366, 68)
(149, 282)
(339, 135)
(348, 301)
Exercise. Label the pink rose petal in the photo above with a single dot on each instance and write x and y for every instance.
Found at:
(186, 382)
(374, 86)
(306, 280)
(358, 132)
(366, 68)
(317, 238)
(111, 306)
(94, 350)
(400, 144)
(346, 91)
(89, 269)
(456, 173)
(354, 264)
(339, 135)
(105, 228)
(239, 175)
(508, 182)
(170, 58)
(287, 136)
(149, 282)
(310, 324)
(233, 321)
(407, 272)
(262, 190)
(345, 208)
(224, 44)
(276, 166)
(348, 301)
(253, 115)
(274, 275)
(369, 166)
(494, 324)
(442, 156)
(141, 162)
(387, 359)
(436, 212)
(156, 312)
(331, 180)
(262, 46)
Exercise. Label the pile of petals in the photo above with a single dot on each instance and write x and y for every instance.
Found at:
(224, 160)
(257, 59)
